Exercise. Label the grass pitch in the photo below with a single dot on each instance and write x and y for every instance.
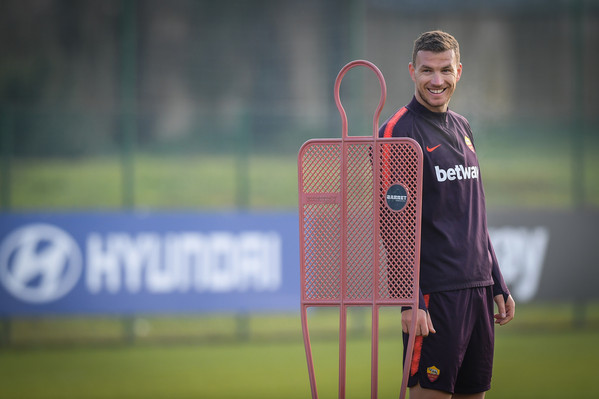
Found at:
(541, 354)
(528, 365)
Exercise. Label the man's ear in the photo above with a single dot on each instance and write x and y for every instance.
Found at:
(413, 71)
(459, 74)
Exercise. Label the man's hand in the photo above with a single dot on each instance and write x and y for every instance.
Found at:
(424, 324)
(506, 309)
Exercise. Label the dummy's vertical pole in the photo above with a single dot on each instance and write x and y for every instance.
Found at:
(342, 349)
(343, 266)
(408, 362)
(374, 368)
(308, 349)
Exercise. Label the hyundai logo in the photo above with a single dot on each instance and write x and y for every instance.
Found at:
(39, 263)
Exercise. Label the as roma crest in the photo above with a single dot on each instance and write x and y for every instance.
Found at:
(469, 143)
(432, 373)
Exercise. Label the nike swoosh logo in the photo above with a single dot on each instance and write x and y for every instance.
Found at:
(432, 149)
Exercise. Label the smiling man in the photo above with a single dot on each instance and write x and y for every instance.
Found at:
(435, 74)
(460, 279)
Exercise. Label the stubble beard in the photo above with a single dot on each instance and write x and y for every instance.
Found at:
(437, 108)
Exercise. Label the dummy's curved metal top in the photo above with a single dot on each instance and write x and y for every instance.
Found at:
(379, 109)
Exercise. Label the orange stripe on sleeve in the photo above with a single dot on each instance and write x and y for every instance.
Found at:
(386, 167)
(393, 121)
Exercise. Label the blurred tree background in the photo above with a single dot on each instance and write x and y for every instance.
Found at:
(148, 88)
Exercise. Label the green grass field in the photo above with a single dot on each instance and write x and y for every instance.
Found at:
(531, 365)
(541, 354)
(519, 172)
(528, 365)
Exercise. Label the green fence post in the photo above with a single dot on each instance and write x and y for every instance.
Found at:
(579, 313)
(128, 93)
(242, 186)
(128, 326)
(242, 326)
(6, 131)
(357, 120)
(5, 327)
(577, 134)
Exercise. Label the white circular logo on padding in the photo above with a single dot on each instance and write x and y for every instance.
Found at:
(39, 263)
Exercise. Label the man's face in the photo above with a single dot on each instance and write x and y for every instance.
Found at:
(435, 76)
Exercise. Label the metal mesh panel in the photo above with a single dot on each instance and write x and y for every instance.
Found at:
(360, 222)
(322, 225)
(356, 249)
(397, 245)
(321, 165)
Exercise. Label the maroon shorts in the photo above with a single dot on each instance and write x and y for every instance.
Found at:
(459, 357)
